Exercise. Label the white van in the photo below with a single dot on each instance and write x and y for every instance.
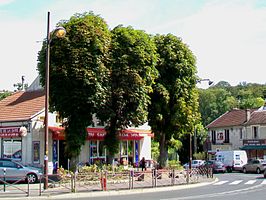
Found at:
(233, 160)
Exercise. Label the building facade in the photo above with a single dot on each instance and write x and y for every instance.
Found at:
(239, 129)
(22, 135)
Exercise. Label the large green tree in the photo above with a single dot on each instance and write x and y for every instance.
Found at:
(132, 72)
(78, 74)
(174, 108)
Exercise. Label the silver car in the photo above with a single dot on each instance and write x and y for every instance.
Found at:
(13, 171)
(254, 165)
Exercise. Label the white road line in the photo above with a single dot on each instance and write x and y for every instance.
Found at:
(250, 182)
(220, 183)
(263, 182)
(235, 182)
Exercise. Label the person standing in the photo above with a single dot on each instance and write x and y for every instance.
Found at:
(143, 164)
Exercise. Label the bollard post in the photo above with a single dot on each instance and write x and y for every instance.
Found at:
(152, 175)
(4, 170)
(155, 177)
(132, 178)
(72, 183)
(131, 175)
(28, 193)
(105, 181)
(40, 184)
(187, 176)
(173, 178)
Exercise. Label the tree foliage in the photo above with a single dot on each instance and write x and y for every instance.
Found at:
(77, 74)
(132, 72)
(222, 97)
(4, 94)
(174, 108)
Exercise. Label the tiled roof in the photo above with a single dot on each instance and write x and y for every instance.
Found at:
(231, 118)
(22, 105)
(257, 117)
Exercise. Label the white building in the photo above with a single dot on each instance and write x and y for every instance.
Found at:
(22, 134)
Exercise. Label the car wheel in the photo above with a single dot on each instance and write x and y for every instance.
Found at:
(32, 178)
(229, 169)
(244, 170)
(258, 170)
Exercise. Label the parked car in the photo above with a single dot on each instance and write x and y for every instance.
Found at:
(15, 171)
(194, 164)
(217, 166)
(254, 165)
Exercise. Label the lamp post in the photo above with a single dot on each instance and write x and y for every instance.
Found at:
(195, 131)
(58, 32)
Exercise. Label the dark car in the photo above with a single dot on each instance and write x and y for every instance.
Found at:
(217, 166)
(11, 170)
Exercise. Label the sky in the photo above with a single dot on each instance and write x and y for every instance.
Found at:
(228, 37)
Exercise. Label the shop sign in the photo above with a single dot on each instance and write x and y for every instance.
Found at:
(99, 134)
(9, 132)
(254, 142)
(129, 136)
(96, 136)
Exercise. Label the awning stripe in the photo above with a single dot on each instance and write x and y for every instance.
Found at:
(99, 133)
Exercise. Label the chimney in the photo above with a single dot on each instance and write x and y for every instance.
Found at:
(247, 115)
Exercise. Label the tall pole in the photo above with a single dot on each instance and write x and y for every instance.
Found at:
(190, 151)
(46, 131)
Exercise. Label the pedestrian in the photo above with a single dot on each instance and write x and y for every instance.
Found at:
(143, 164)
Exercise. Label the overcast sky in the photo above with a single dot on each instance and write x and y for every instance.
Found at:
(228, 37)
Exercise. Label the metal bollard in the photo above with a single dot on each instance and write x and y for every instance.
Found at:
(4, 170)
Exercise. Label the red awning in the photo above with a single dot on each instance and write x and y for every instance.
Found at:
(8, 132)
(96, 133)
(99, 134)
(58, 132)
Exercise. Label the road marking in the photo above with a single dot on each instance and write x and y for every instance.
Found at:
(220, 183)
(263, 182)
(235, 182)
(250, 182)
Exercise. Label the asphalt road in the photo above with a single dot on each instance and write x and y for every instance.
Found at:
(230, 186)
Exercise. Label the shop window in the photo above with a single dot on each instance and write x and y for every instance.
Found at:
(97, 152)
(101, 149)
(93, 148)
(12, 149)
(124, 148)
(124, 152)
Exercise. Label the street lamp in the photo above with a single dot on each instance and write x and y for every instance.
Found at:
(58, 32)
(205, 79)
(195, 137)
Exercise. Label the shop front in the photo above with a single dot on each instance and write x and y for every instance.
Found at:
(134, 143)
(255, 148)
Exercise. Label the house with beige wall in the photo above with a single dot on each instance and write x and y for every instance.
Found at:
(239, 129)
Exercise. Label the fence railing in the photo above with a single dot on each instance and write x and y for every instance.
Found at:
(131, 179)
(105, 180)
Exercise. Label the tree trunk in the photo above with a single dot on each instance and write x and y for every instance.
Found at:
(73, 164)
(163, 158)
